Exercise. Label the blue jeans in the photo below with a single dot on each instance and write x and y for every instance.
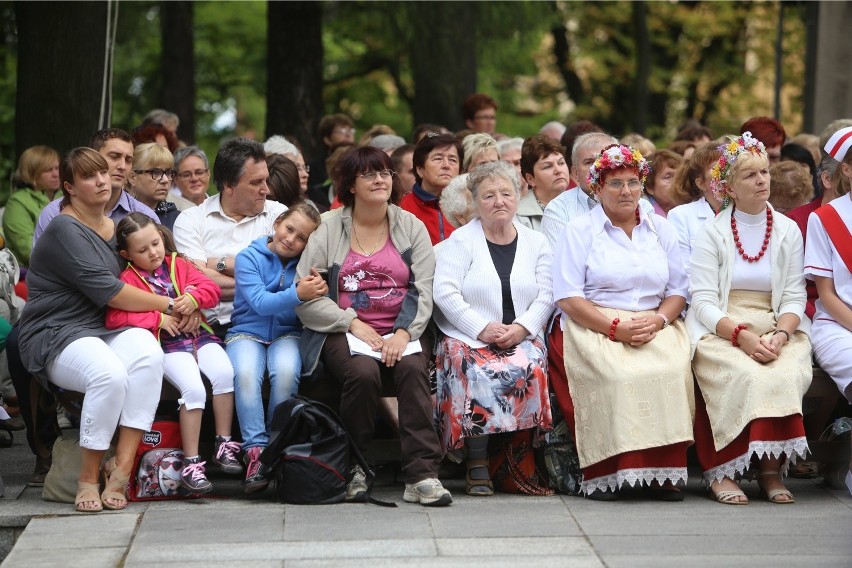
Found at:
(251, 360)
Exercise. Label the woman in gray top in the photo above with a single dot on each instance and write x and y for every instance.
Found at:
(73, 278)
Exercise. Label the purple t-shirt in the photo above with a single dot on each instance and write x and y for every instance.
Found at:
(374, 286)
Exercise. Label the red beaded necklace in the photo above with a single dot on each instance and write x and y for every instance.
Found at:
(637, 216)
(763, 248)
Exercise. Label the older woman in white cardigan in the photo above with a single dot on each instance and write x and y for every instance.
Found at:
(492, 292)
(752, 355)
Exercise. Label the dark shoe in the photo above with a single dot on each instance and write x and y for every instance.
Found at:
(667, 492)
(356, 489)
(42, 466)
(256, 473)
(601, 495)
(225, 456)
(193, 478)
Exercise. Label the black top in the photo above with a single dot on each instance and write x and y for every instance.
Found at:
(503, 257)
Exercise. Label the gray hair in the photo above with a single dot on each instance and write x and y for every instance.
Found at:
(387, 142)
(553, 127)
(183, 153)
(474, 144)
(588, 140)
(280, 145)
(509, 144)
(491, 170)
(163, 117)
(456, 200)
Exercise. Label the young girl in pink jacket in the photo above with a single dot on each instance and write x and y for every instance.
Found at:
(189, 344)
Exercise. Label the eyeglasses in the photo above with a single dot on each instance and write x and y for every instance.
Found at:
(185, 176)
(371, 176)
(485, 117)
(345, 130)
(306, 169)
(618, 184)
(158, 173)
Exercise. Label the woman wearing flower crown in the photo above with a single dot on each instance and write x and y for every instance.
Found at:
(752, 355)
(619, 278)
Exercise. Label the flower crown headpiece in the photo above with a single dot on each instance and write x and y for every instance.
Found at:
(614, 157)
(731, 152)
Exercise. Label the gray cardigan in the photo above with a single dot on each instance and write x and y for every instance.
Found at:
(327, 249)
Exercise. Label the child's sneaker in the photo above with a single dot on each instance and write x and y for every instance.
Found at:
(256, 479)
(225, 456)
(428, 492)
(192, 477)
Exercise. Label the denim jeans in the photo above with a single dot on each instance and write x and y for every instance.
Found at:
(251, 360)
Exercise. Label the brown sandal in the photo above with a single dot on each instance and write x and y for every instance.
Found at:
(478, 487)
(115, 485)
(88, 493)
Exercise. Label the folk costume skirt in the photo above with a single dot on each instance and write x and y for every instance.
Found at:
(749, 409)
(633, 406)
(489, 390)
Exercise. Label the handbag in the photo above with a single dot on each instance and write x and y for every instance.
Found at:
(514, 469)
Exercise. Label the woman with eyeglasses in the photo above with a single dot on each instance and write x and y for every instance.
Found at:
(493, 298)
(73, 277)
(621, 285)
(193, 177)
(379, 264)
(151, 179)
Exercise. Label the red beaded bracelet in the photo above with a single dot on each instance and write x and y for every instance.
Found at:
(736, 333)
(612, 327)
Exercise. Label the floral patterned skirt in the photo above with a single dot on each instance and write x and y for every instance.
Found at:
(489, 390)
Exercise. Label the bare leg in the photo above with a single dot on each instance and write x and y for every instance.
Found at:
(125, 454)
(223, 413)
(770, 478)
(190, 429)
(89, 473)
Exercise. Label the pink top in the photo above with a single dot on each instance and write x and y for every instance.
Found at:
(374, 286)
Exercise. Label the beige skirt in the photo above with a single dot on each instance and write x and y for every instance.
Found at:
(736, 388)
(628, 398)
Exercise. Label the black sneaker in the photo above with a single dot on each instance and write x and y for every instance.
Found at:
(225, 456)
(193, 479)
(256, 472)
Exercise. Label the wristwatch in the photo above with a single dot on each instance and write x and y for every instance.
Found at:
(171, 307)
(221, 265)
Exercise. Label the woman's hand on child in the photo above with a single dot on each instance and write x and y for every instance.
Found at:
(184, 305)
(311, 286)
(189, 323)
(170, 324)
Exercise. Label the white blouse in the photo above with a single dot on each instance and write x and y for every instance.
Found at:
(598, 262)
(755, 276)
(822, 259)
(687, 220)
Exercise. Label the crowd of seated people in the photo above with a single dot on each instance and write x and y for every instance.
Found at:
(660, 293)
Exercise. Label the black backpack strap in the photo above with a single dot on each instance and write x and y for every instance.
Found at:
(359, 457)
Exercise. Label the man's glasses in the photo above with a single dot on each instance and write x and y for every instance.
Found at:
(158, 173)
(186, 176)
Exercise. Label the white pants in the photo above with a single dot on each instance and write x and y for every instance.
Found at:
(121, 375)
(184, 373)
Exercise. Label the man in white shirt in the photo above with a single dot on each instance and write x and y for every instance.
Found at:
(213, 233)
(577, 200)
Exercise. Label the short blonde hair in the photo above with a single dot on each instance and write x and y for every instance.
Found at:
(33, 161)
(152, 155)
(789, 186)
(475, 144)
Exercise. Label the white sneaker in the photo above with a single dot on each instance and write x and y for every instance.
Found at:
(428, 492)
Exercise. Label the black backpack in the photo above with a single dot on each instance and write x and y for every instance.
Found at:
(309, 454)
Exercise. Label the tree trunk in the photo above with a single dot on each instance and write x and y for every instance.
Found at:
(61, 48)
(443, 60)
(177, 66)
(294, 66)
(643, 66)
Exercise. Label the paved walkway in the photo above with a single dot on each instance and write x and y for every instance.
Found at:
(504, 530)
